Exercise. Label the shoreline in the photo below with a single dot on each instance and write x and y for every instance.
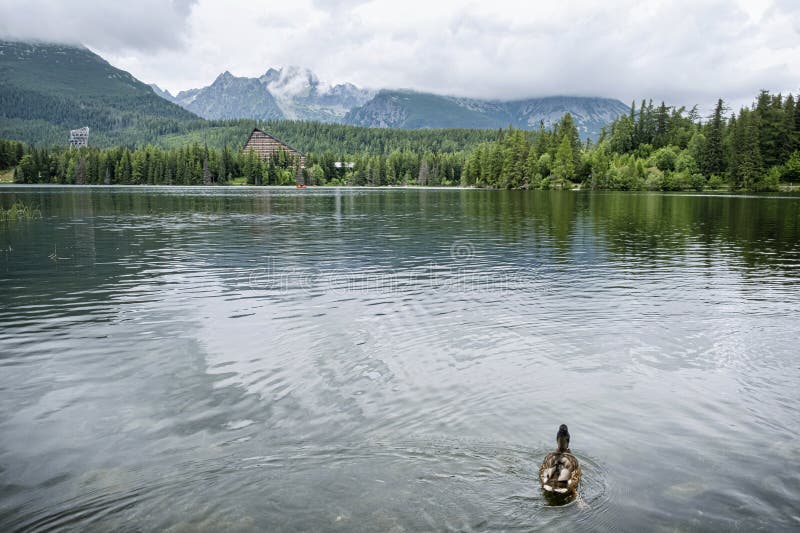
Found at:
(794, 191)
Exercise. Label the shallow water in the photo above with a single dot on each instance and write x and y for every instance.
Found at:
(245, 359)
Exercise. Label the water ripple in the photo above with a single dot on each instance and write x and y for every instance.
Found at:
(267, 359)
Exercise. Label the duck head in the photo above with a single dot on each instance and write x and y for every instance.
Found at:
(562, 438)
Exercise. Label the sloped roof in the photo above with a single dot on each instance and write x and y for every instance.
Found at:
(273, 138)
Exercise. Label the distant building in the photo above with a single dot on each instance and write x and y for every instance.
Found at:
(344, 164)
(265, 146)
(79, 137)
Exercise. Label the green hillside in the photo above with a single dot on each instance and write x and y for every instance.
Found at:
(326, 137)
(48, 89)
(413, 110)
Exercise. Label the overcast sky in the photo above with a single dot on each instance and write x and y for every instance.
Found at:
(684, 52)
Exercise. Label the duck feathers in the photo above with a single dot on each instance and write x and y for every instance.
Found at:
(560, 472)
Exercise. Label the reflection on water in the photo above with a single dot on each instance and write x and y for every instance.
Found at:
(250, 359)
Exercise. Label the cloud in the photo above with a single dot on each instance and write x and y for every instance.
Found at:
(337, 5)
(683, 51)
(143, 25)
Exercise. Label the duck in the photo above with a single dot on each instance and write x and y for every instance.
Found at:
(560, 473)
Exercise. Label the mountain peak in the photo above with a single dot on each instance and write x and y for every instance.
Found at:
(412, 110)
(163, 93)
(49, 78)
(225, 76)
(271, 74)
(290, 82)
(40, 43)
(296, 93)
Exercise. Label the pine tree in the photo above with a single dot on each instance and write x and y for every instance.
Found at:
(787, 131)
(80, 171)
(661, 123)
(272, 173)
(713, 159)
(424, 172)
(138, 167)
(568, 129)
(795, 135)
(769, 111)
(564, 166)
(126, 168)
(747, 168)
(26, 170)
(249, 167)
(206, 173)
(640, 129)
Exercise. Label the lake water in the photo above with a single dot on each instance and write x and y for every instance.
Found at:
(246, 359)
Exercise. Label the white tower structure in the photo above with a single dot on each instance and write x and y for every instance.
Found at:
(79, 137)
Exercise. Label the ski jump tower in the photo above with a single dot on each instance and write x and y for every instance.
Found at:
(79, 137)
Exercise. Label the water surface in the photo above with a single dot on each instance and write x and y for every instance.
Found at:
(397, 360)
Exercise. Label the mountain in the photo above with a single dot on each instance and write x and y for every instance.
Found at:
(292, 93)
(163, 93)
(296, 93)
(48, 89)
(413, 110)
(231, 97)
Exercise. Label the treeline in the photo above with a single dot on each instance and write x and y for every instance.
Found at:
(367, 156)
(309, 137)
(200, 165)
(111, 128)
(193, 165)
(318, 137)
(653, 148)
(10, 153)
(405, 167)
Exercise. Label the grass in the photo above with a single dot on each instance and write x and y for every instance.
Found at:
(19, 211)
(7, 176)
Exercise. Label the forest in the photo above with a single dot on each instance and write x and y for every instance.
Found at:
(651, 148)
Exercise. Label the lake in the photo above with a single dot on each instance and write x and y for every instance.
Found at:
(245, 359)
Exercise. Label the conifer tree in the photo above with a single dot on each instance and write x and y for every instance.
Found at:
(713, 159)
(80, 171)
(661, 123)
(796, 127)
(787, 130)
(564, 166)
(206, 173)
(424, 172)
(769, 111)
(746, 163)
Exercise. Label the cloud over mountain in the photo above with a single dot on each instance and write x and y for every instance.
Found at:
(124, 27)
(680, 51)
